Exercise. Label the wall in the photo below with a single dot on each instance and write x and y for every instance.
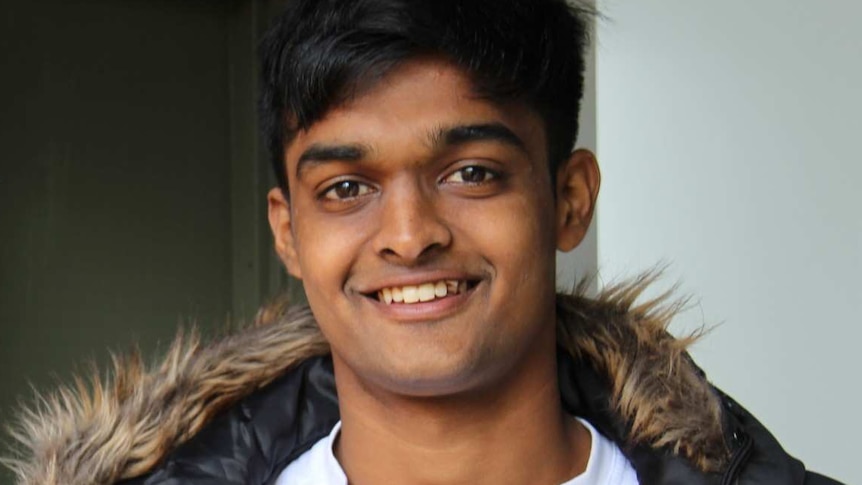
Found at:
(727, 133)
(115, 188)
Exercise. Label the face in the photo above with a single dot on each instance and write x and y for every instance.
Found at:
(423, 224)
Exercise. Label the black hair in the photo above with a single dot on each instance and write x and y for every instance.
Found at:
(320, 53)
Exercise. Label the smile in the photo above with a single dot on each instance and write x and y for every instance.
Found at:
(422, 293)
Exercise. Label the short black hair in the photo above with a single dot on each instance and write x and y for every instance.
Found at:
(320, 53)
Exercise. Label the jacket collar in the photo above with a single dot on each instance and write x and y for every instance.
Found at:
(635, 379)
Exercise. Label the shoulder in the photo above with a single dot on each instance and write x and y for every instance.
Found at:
(140, 418)
(763, 459)
(252, 441)
(812, 478)
(636, 382)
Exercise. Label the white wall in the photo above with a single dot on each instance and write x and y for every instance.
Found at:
(729, 134)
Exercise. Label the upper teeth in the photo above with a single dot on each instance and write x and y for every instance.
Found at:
(421, 293)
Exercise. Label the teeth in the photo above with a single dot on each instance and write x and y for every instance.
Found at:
(411, 294)
(421, 293)
(426, 292)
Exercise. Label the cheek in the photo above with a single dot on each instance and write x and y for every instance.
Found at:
(326, 248)
(325, 252)
(515, 234)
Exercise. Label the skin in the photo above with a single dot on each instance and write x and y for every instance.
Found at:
(391, 189)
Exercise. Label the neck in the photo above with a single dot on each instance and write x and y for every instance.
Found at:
(514, 433)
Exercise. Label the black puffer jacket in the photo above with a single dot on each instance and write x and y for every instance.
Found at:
(254, 441)
(239, 410)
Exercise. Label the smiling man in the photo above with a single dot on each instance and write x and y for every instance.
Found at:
(422, 221)
(426, 180)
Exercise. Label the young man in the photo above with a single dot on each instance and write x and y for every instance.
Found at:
(426, 179)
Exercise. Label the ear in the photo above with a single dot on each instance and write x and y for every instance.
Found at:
(578, 181)
(282, 231)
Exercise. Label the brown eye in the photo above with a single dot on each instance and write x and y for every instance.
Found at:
(346, 189)
(472, 174)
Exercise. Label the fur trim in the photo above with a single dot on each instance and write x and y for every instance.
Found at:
(655, 387)
(100, 433)
(126, 426)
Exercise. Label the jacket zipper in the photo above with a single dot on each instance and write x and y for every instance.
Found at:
(738, 460)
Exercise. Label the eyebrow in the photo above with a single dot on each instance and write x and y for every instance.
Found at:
(319, 153)
(462, 134)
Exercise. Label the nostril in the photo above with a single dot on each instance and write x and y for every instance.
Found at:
(412, 256)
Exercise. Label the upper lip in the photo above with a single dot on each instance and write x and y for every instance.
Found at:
(415, 279)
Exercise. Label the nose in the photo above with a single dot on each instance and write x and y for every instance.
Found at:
(411, 229)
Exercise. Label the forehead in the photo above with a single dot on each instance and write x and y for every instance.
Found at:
(409, 105)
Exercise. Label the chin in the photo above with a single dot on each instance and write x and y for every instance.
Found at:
(429, 387)
(433, 377)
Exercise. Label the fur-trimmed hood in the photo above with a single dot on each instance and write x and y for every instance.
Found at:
(101, 432)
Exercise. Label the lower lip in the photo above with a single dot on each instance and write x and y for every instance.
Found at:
(423, 311)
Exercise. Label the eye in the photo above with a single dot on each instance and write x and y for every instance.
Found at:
(346, 190)
(471, 175)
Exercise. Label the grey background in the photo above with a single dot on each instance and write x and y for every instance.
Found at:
(728, 134)
(132, 183)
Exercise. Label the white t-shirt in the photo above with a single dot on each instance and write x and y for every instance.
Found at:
(318, 466)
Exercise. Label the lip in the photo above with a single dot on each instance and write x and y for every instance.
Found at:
(429, 311)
